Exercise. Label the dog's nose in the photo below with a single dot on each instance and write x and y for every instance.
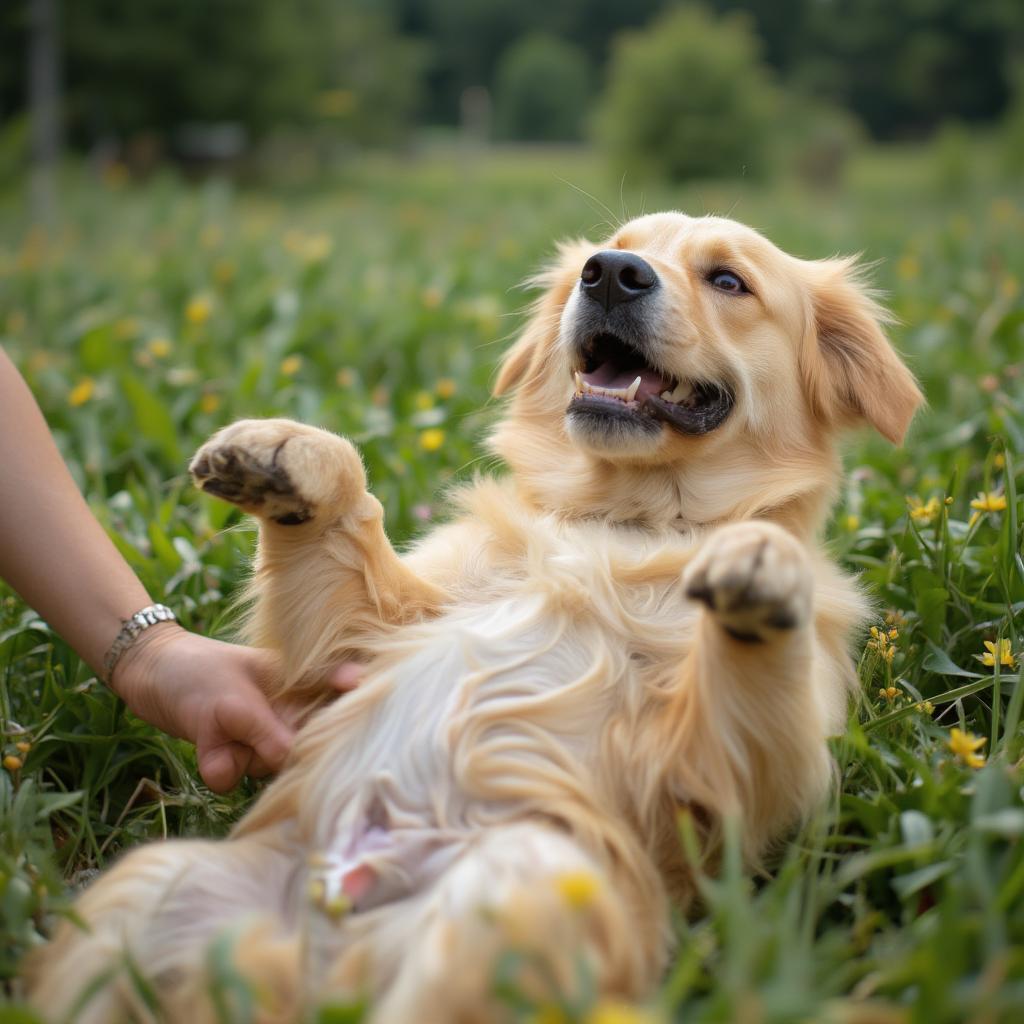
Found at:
(613, 277)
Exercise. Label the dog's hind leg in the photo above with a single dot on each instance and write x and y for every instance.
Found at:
(144, 930)
(523, 908)
(327, 579)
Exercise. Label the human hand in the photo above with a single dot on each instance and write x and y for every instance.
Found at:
(214, 695)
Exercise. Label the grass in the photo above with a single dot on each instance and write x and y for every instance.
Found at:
(378, 306)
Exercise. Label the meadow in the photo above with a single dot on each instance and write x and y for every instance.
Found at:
(377, 304)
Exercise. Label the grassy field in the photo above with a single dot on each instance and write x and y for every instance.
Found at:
(378, 307)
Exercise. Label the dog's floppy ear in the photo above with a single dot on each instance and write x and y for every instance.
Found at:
(851, 370)
(526, 356)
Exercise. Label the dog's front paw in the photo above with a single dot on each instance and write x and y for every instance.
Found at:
(279, 470)
(754, 577)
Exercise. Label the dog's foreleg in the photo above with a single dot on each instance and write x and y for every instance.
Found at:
(327, 579)
(753, 720)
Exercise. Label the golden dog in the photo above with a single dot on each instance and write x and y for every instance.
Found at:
(638, 620)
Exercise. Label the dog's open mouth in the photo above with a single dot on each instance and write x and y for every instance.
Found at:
(616, 381)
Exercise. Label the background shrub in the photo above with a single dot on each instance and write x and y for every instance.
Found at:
(541, 90)
(689, 98)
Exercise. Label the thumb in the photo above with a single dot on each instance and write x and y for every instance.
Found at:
(252, 723)
(223, 765)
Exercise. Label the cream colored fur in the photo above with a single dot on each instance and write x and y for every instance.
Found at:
(542, 698)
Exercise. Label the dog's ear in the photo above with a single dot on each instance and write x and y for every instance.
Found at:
(526, 356)
(850, 369)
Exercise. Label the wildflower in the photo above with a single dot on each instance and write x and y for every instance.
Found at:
(989, 502)
(209, 403)
(926, 707)
(317, 248)
(125, 328)
(159, 347)
(445, 387)
(908, 267)
(894, 617)
(432, 297)
(198, 310)
(988, 383)
(923, 512)
(23, 747)
(422, 513)
(431, 440)
(579, 889)
(345, 378)
(423, 400)
(890, 693)
(549, 1013)
(1003, 653)
(224, 272)
(12, 763)
(965, 745)
(82, 392)
(882, 642)
(851, 522)
(291, 365)
(999, 460)
(211, 236)
(615, 1012)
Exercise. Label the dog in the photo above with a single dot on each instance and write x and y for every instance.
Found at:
(638, 622)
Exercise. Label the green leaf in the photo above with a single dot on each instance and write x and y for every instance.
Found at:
(152, 419)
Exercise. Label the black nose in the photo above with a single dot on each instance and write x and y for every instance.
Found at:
(613, 277)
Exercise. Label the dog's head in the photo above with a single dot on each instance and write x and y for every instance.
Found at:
(693, 347)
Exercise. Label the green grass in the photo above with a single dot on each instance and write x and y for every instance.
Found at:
(395, 289)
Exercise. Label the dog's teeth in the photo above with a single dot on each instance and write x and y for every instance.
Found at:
(579, 382)
(632, 390)
(587, 389)
(684, 389)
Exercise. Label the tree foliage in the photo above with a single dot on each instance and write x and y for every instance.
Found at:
(542, 90)
(689, 98)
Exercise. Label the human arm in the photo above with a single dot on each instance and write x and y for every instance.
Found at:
(56, 555)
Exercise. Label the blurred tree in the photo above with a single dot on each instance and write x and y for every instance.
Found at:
(149, 68)
(542, 90)
(688, 98)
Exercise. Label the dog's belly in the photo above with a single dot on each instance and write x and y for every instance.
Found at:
(485, 716)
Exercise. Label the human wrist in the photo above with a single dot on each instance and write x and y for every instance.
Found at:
(136, 673)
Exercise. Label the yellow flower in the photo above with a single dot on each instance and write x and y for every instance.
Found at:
(423, 400)
(291, 365)
(198, 310)
(159, 347)
(926, 707)
(209, 402)
(578, 888)
(990, 502)
(12, 763)
(922, 512)
(890, 693)
(882, 642)
(224, 272)
(965, 745)
(999, 460)
(908, 267)
(82, 392)
(445, 387)
(432, 439)
(548, 1014)
(610, 1011)
(125, 328)
(851, 522)
(23, 747)
(1004, 653)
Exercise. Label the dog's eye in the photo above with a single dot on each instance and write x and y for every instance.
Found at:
(727, 281)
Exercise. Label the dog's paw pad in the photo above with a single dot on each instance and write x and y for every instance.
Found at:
(755, 578)
(246, 465)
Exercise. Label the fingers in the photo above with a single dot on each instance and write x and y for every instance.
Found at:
(346, 676)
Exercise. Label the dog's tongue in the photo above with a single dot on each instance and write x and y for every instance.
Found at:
(608, 375)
